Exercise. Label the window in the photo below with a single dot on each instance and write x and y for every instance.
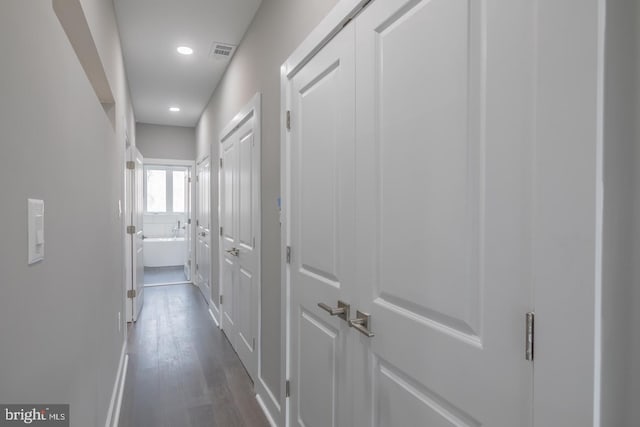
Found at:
(164, 188)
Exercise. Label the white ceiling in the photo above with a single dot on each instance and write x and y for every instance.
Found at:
(159, 77)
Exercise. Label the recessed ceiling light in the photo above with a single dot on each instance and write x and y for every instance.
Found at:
(185, 50)
(174, 109)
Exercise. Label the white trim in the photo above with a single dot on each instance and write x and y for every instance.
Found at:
(113, 413)
(266, 411)
(191, 164)
(331, 25)
(213, 316)
(599, 220)
(168, 162)
(116, 419)
(253, 106)
(284, 242)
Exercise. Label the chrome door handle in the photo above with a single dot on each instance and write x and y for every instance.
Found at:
(342, 311)
(233, 251)
(362, 322)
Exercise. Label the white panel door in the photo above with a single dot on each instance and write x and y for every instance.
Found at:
(322, 230)
(203, 229)
(444, 146)
(137, 221)
(240, 183)
(188, 256)
(229, 240)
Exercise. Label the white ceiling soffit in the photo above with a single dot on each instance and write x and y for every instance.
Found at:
(159, 77)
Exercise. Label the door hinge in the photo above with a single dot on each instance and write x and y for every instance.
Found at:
(131, 165)
(287, 389)
(189, 263)
(221, 231)
(288, 120)
(221, 162)
(197, 223)
(131, 293)
(131, 229)
(189, 221)
(189, 180)
(197, 266)
(288, 254)
(221, 299)
(530, 335)
(254, 344)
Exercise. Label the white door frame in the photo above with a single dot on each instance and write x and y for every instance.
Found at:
(191, 165)
(252, 108)
(564, 367)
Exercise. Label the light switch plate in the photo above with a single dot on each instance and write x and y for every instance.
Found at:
(35, 233)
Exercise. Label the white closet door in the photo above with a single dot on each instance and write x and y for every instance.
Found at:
(138, 237)
(444, 122)
(203, 264)
(229, 239)
(240, 184)
(322, 227)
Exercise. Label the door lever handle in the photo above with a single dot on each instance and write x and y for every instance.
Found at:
(233, 251)
(362, 322)
(342, 311)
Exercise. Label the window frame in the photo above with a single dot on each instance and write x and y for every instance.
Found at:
(169, 169)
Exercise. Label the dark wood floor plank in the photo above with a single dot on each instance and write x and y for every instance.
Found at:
(182, 370)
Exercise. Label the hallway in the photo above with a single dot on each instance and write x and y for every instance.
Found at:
(182, 371)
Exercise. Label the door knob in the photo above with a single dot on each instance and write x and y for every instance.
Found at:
(342, 311)
(233, 251)
(362, 323)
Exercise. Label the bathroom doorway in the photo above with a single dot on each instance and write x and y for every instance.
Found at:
(168, 205)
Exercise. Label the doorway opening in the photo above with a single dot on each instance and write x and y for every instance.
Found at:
(168, 251)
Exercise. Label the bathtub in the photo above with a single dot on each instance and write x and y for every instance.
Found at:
(164, 251)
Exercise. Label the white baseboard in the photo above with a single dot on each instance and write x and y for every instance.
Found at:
(266, 411)
(113, 414)
(213, 316)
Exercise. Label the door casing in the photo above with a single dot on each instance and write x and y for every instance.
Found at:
(191, 166)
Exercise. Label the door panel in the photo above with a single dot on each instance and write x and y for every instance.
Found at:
(322, 226)
(229, 238)
(228, 308)
(203, 231)
(317, 352)
(188, 260)
(245, 191)
(240, 288)
(245, 310)
(429, 149)
(442, 146)
(138, 223)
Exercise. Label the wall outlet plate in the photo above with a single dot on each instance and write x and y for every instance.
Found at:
(35, 232)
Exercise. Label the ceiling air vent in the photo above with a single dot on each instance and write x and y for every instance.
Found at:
(222, 50)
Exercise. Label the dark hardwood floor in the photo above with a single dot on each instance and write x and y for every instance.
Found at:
(182, 370)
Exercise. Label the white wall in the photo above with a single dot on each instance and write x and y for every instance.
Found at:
(58, 319)
(166, 142)
(163, 225)
(277, 29)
